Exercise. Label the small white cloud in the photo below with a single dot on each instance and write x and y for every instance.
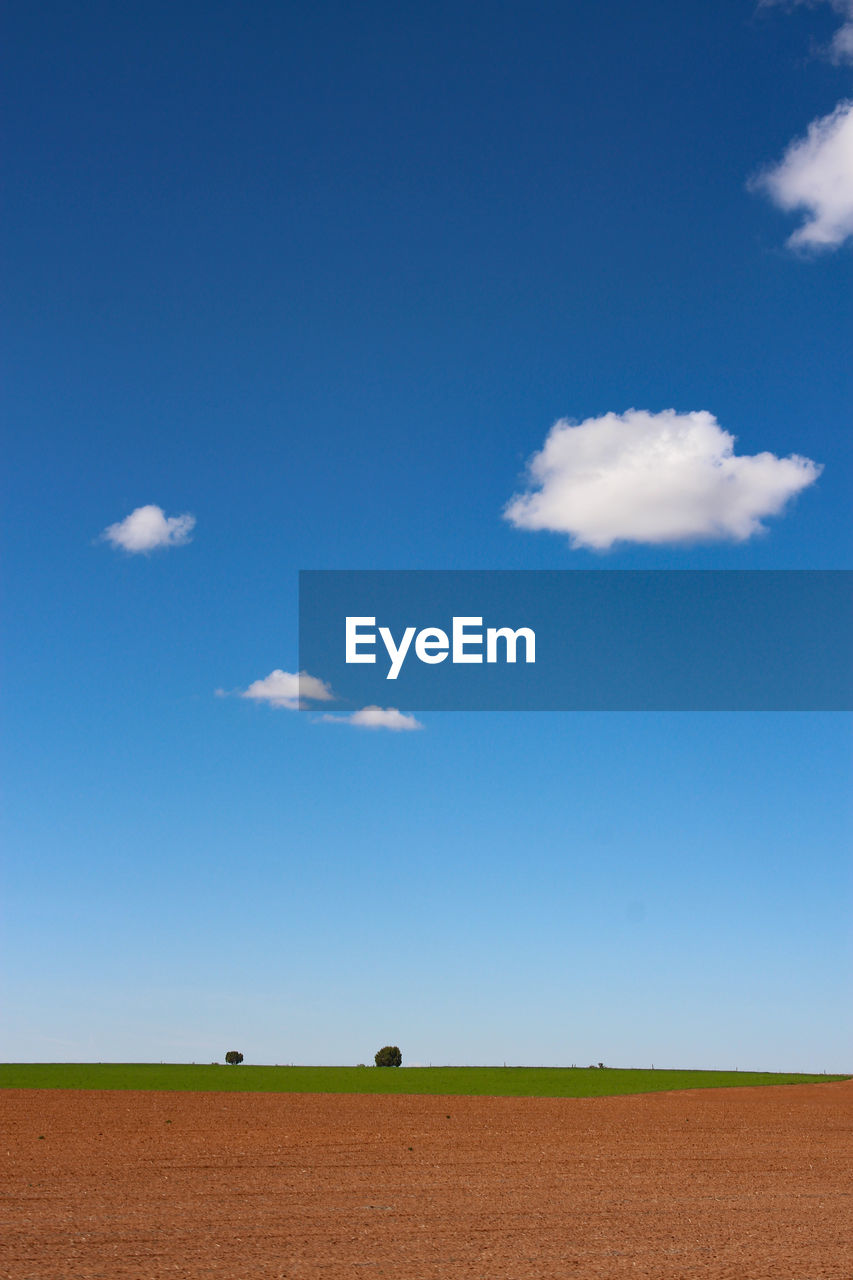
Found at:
(841, 45)
(298, 691)
(652, 478)
(840, 48)
(288, 689)
(377, 718)
(816, 175)
(148, 528)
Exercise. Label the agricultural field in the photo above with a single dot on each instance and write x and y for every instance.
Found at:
(718, 1183)
(504, 1082)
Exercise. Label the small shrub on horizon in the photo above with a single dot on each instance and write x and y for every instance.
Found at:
(233, 1058)
(388, 1056)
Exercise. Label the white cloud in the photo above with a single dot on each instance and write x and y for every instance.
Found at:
(298, 691)
(816, 175)
(148, 528)
(288, 689)
(652, 478)
(840, 48)
(378, 718)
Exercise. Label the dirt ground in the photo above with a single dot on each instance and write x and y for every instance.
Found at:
(741, 1184)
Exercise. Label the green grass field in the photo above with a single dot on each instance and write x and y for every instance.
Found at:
(526, 1082)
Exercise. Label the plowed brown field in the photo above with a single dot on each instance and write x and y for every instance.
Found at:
(741, 1184)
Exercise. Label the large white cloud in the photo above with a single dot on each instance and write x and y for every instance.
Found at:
(816, 175)
(289, 689)
(652, 478)
(378, 718)
(148, 528)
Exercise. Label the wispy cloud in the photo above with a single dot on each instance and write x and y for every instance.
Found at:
(816, 175)
(377, 718)
(148, 529)
(288, 689)
(652, 478)
(840, 47)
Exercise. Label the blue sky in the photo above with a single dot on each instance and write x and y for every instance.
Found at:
(324, 278)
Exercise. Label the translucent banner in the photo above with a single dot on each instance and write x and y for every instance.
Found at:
(634, 640)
